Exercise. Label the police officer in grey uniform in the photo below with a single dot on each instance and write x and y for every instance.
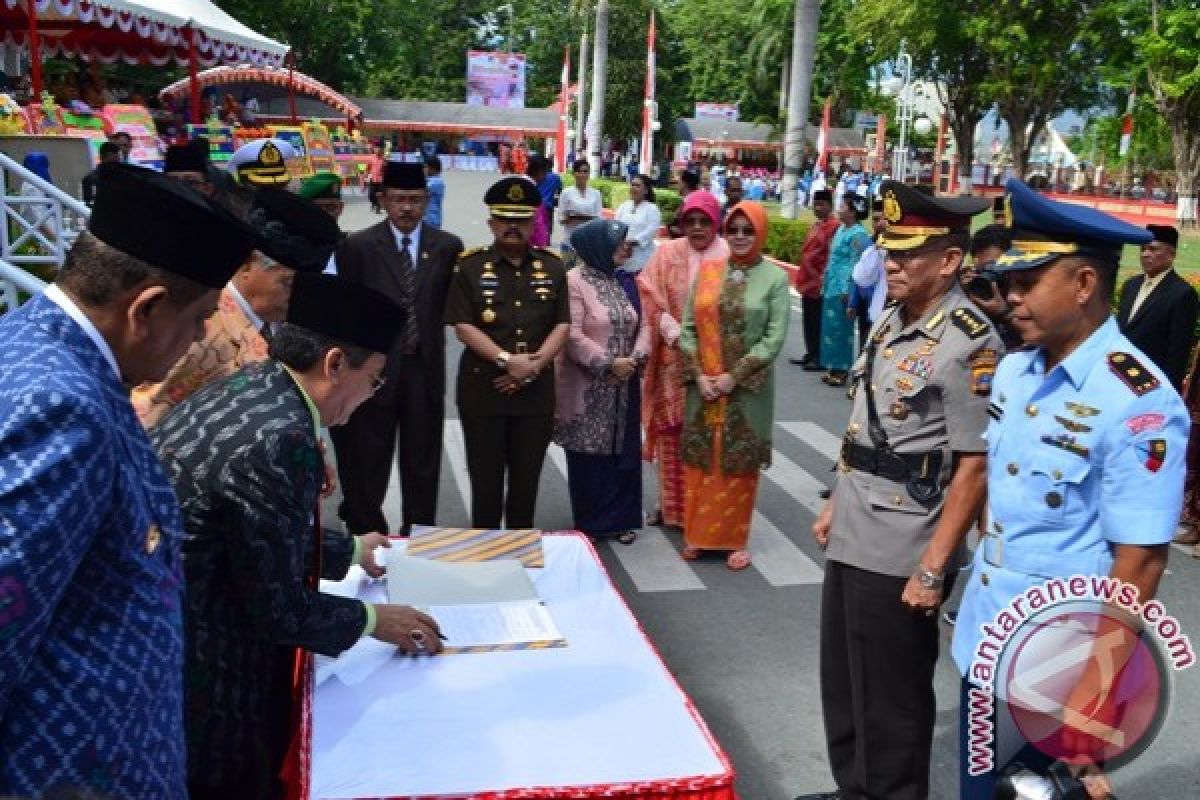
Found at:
(910, 485)
(508, 304)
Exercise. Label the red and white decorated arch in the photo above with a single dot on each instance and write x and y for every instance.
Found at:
(293, 81)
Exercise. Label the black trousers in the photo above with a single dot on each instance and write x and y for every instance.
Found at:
(500, 447)
(877, 662)
(411, 411)
(810, 311)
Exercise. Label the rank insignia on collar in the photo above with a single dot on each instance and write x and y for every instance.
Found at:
(1132, 373)
(1072, 425)
(935, 320)
(969, 322)
(1080, 410)
(1152, 453)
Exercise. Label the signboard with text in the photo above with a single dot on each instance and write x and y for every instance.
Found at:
(496, 80)
(726, 111)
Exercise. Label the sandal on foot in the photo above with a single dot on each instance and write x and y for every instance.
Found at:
(689, 553)
(738, 560)
(627, 537)
(834, 379)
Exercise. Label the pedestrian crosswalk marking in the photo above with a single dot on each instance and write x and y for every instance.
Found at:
(815, 437)
(653, 563)
(457, 451)
(778, 558)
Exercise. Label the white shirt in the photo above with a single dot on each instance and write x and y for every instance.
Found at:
(245, 306)
(60, 299)
(643, 220)
(573, 201)
(869, 276)
(414, 240)
(331, 265)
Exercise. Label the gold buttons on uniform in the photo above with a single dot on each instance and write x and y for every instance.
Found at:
(898, 500)
(153, 538)
(1013, 469)
(488, 315)
(517, 303)
(1054, 499)
(889, 353)
(1057, 474)
(855, 427)
(520, 331)
(1031, 410)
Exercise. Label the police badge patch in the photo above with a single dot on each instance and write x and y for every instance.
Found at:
(1152, 453)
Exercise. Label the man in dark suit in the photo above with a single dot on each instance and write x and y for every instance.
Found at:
(1158, 308)
(243, 456)
(411, 263)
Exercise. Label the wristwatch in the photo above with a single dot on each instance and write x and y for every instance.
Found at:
(930, 580)
(502, 359)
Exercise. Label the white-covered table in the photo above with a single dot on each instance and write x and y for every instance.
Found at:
(601, 717)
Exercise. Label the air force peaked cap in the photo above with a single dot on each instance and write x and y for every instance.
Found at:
(167, 224)
(1045, 229)
(345, 311)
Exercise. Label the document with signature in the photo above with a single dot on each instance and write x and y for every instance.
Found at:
(480, 606)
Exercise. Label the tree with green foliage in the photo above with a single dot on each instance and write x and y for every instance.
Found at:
(1166, 49)
(942, 39)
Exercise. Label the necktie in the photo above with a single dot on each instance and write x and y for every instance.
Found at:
(1143, 292)
(408, 286)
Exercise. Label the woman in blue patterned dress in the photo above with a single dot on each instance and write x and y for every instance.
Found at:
(837, 329)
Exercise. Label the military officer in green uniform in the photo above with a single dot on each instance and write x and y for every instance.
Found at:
(508, 305)
(910, 485)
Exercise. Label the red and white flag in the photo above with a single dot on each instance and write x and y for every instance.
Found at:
(564, 105)
(1127, 123)
(823, 138)
(648, 104)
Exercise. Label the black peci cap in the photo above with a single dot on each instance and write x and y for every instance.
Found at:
(167, 224)
(292, 230)
(345, 311)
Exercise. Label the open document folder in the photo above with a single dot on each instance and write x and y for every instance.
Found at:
(481, 607)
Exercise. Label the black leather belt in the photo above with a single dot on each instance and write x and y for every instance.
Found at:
(920, 472)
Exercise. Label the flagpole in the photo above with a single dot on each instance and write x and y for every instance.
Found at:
(648, 115)
(1127, 135)
(823, 138)
(564, 105)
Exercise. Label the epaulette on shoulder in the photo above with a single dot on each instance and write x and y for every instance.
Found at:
(1132, 373)
(470, 252)
(969, 322)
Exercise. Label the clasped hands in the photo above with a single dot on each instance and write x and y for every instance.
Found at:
(522, 369)
(622, 369)
(713, 387)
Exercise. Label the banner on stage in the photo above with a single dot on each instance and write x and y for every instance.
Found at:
(725, 111)
(496, 80)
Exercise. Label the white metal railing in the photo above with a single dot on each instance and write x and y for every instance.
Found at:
(37, 229)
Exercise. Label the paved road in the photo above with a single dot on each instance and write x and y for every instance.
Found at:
(744, 645)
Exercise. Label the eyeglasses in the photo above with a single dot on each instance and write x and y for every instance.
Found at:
(739, 230)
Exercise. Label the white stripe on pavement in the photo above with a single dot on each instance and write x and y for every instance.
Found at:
(458, 461)
(777, 557)
(652, 562)
(789, 476)
(815, 437)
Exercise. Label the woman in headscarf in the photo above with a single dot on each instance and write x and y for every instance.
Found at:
(734, 327)
(664, 285)
(597, 414)
(837, 329)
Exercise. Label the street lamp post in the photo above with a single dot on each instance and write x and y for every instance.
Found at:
(904, 115)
